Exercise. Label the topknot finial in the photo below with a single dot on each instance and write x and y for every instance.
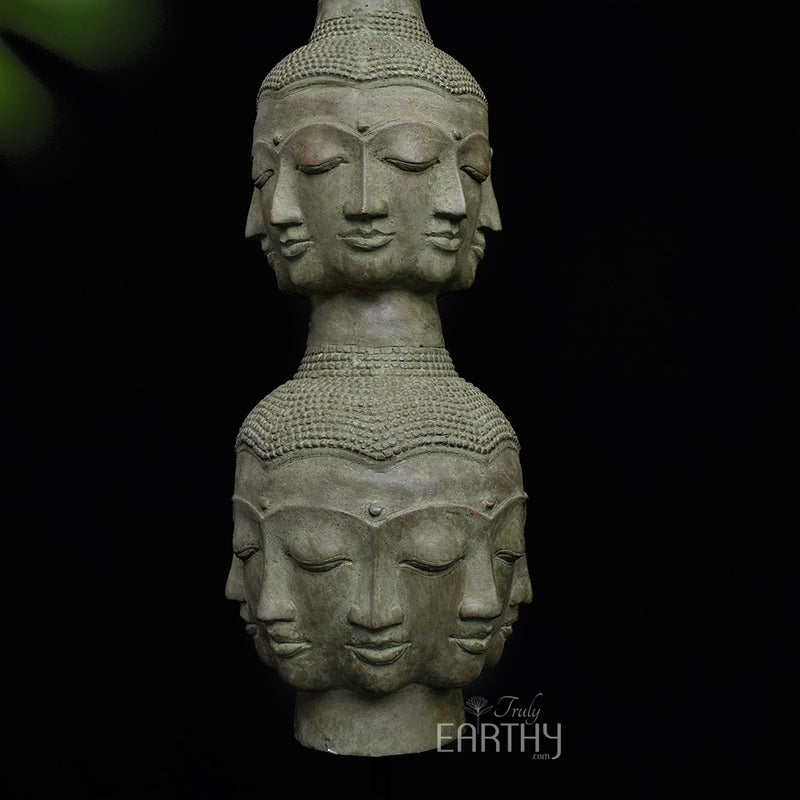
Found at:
(329, 9)
(358, 41)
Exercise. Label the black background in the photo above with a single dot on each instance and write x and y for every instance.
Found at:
(632, 321)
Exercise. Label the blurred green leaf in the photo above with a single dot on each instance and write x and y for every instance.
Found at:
(93, 35)
(26, 109)
(96, 35)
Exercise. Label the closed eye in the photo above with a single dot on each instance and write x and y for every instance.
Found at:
(474, 173)
(411, 166)
(262, 178)
(509, 556)
(323, 166)
(321, 566)
(427, 568)
(245, 553)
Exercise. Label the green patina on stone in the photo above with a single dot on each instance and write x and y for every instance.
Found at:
(379, 510)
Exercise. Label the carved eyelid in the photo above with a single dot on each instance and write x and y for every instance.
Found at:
(408, 165)
(257, 518)
(426, 567)
(476, 174)
(246, 552)
(263, 158)
(319, 167)
(263, 177)
(513, 555)
(327, 565)
(470, 154)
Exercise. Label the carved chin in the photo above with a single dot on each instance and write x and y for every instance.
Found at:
(442, 269)
(380, 679)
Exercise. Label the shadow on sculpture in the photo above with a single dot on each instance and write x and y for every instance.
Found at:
(379, 509)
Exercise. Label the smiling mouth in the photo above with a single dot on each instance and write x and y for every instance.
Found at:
(366, 240)
(379, 654)
(474, 645)
(445, 240)
(295, 247)
(286, 648)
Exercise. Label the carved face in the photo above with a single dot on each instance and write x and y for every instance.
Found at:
(235, 590)
(498, 553)
(372, 579)
(371, 188)
(521, 592)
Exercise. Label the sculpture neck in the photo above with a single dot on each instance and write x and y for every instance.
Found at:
(350, 723)
(391, 318)
(328, 9)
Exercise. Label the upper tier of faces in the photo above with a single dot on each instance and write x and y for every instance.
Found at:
(370, 188)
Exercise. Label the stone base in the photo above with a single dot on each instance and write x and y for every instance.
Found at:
(355, 724)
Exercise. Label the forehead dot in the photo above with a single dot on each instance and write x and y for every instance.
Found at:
(458, 136)
(277, 139)
(362, 127)
(263, 502)
(490, 504)
(375, 510)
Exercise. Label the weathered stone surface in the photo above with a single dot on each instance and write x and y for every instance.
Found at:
(379, 509)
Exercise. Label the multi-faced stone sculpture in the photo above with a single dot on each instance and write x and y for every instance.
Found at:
(379, 556)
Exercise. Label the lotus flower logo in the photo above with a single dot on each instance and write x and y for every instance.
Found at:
(477, 705)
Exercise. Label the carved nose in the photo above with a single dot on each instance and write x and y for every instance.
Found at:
(481, 600)
(376, 604)
(254, 227)
(284, 209)
(490, 214)
(450, 201)
(521, 588)
(274, 603)
(234, 586)
(365, 199)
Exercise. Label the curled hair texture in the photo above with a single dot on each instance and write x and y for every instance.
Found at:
(373, 46)
(381, 404)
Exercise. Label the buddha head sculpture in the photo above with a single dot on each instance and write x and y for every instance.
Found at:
(378, 542)
(379, 510)
(371, 158)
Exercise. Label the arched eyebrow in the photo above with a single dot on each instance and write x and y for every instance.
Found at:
(316, 128)
(427, 126)
(276, 509)
(490, 514)
(239, 500)
(263, 148)
(471, 137)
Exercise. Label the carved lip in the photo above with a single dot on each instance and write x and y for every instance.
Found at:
(379, 654)
(370, 239)
(295, 247)
(475, 644)
(506, 628)
(285, 647)
(478, 244)
(448, 240)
